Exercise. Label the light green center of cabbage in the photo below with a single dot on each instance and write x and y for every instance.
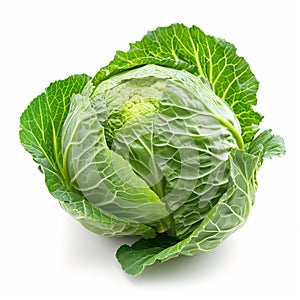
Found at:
(132, 101)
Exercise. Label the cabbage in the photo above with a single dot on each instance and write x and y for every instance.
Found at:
(162, 143)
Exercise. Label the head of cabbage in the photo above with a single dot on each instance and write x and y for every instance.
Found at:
(162, 146)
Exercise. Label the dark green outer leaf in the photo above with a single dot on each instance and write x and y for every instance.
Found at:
(266, 145)
(180, 47)
(42, 121)
(226, 216)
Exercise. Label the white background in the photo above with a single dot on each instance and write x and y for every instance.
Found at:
(45, 254)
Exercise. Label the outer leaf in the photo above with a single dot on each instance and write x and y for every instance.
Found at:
(93, 218)
(266, 145)
(180, 47)
(143, 253)
(41, 123)
(226, 216)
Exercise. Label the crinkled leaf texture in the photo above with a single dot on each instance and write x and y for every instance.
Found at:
(229, 214)
(94, 219)
(66, 128)
(225, 217)
(40, 134)
(190, 49)
(266, 145)
(187, 141)
(104, 178)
